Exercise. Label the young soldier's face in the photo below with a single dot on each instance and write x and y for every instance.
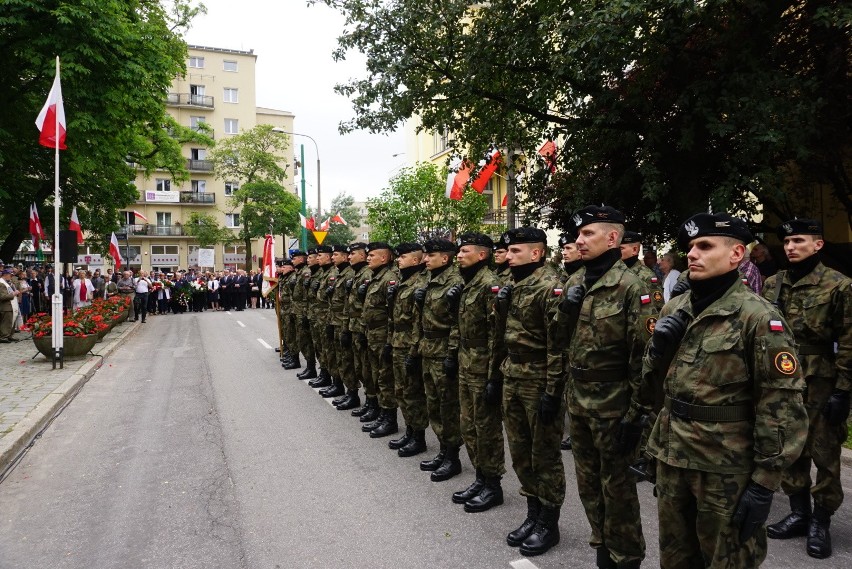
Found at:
(376, 259)
(524, 253)
(800, 247)
(469, 255)
(595, 239)
(500, 256)
(570, 253)
(408, 259)
(436, 260)
(712, 256)
(629, 250)
(338, 257)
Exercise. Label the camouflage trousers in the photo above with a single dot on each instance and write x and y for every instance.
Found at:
(382, 376)
(536, 457)
(607, 490)
(317, 328)
(481, 426)
(306, 343)
(361, 359)
(694, 511)
(442, 402)
(330, 348)
(289, 329)
(410, 394)
(822, 448)
(345, 361)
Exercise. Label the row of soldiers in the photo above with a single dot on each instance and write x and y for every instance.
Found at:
(730, 395)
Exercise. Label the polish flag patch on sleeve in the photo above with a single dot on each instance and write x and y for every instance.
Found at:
(645, 299)
(495, 289)
(557, 292)
(776, 326)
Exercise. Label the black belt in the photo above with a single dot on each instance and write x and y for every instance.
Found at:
(376, 323)
(815, 350)
(709, 413)
(474, 343)
(528, 357)
(582, 374)
(403, 327)
(435, 334)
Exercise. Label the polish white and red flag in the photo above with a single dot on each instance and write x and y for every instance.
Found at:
(51, 119)
(115, 252)
(457, 178)
(325, 225)
(487, 168)
(338, 219)
(74, 225)
(269, 278)
(36, 229)
(140, 216)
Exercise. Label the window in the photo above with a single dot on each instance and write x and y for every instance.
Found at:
(127, 218)
(196, 62)
(231, 187)
(231, 95)
(164, 249)
(232, 220)
(196, 95)
(234, 249)
(195, 121)
(232, 126)
(198, 154)
(228, 65)
(441, 141)
(164, 185)
(164, 218)
(199, 186)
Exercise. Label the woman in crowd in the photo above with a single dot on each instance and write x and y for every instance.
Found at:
(213, 291)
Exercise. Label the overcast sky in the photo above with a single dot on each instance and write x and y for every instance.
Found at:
(295, 72)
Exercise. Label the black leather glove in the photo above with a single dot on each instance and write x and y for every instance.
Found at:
(420, 296)
(679, 288)
(668, 331)
(315, 286)
(572, 299)
(836, 409)
(387, 354)
(391, 294)
(346, 339)
(329, 332)
(329, 290)
(504, 300)
(453, 297)
(752, 509)
(348, 284)
(548, 408)
(305, 322)
(451, 366)
(493, 394)
(362, 291)
(411, 364)
(627, 437)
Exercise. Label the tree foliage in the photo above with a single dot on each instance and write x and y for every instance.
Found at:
(660, 107)
(118, 59)
(339, 234)
(266, 207)
(207, 231)
(414, 208)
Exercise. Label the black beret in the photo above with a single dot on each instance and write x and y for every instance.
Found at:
(356, 246)
(501, 243)
(713, 224)
(473, 238)
(324, 249)
(377, 246)
(631, 237)
(312, 251)
(524, 235)
(565, 239)
(799, 227)
(339, 249)
(286, 263)
(439, 246)
(596, 214)
(404, 248)
(298, 253)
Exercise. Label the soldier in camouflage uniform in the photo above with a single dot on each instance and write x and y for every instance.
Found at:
(501, 265)
(336, 298)
(571, 263)
(479, 385)
(318, 314)
(284, 296)
(733, 418)
(408, 380)
(376, 313)
(301, 303)
(352, 338)
(533, 382)
(291, 324)
(817, 303)
(630, 256)
(438, 353)
(607, 314)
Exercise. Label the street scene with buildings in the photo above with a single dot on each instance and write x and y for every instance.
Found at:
(426, 285)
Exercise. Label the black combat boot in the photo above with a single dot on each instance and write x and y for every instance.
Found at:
(415, 445)
(565, 444)
(395, 444)
(545, 534)
(449, 468)
(338, 400)
(819, 538)
(359, 412)
(463, 496)
(350, 401)
(294, 362)
(322, 380)
(491, 495)
(334, 390)
(797, 521)
(380, 418)
(372, 413)
(518, 536)
(388, 426)
(433, 464)
(604, 560)
(309, 372)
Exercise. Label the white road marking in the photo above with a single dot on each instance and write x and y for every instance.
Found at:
(227, 312)
(523, 564)
(264, 344)
(241, 324)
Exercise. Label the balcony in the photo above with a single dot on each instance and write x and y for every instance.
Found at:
(198, 198)
(189, 100)
(499, 217)
(199, 165)
(154, 230)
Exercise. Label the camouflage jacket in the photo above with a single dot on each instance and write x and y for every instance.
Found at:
(375, 312)
(737, 352)
(435, 332)
(651, 282)
(323, 301)
(530, 347)
(504, 274)
(355, 304)
(300, 292)
(819, 310)
(339, 296)
(311, 285)
(605, 352)
(404, 319)
(476, 324)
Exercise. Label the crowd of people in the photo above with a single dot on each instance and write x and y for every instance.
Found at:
(718, 385)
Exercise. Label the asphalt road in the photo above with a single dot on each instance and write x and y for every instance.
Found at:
(192, 447)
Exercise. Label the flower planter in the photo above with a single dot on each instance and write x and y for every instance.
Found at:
(74, 347)
(103, 333)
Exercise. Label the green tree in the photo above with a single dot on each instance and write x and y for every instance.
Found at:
(661, 107)
(414, 208)
(256, 158)
(339, 234)
(207, 231)
(118, 60)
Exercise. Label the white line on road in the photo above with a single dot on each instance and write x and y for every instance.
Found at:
(227, 312)
(264, 344)
(241, 324)
(523, 564)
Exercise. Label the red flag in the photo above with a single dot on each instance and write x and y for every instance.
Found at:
(74, 225)
(47, 118)
(505, 202)
(338, 219)
(140, 216)
(269, 280)
(115, 252)
(548, 152)
(487, 169)
(325, 225)
(457, 178)
(36, 229)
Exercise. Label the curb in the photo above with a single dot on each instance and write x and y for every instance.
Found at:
(845, 457)
(25, 432)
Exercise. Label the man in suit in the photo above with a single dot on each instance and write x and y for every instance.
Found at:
(225, 290)
(241, 286)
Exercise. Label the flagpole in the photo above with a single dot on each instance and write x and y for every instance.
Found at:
(56, 302)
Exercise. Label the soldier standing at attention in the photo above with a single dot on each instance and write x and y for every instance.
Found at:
(480, 386)
(301, 302)
(817, 303)
(318, 314)
(408, 381)
(352, 338)
(285, 307)
(733, 418)
(335, 294)
(438, 352)
(501, 265)
(291, 316)
(607, 314)
(533, 383)
(630, 256)
(571, 263)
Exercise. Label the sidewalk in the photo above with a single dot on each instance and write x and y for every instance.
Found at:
(32, 392)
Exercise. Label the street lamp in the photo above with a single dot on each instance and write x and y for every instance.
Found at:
(280, 130)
